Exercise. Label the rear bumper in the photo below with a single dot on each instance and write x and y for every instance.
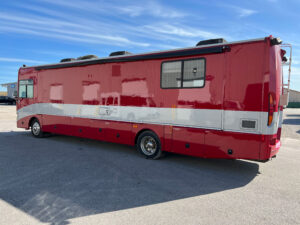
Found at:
(274, 148)
(269, 151)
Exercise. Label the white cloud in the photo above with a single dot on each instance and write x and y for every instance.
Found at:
(59, 53)
(181, 31)
(295, 77)
(241, 12)
(295, 72)
(87, 22)
(245, 12)
(54, 28)
(76, 27)
(150, 8)
(19, 60)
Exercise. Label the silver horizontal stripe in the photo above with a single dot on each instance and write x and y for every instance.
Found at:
(280, 119)
(198, 118)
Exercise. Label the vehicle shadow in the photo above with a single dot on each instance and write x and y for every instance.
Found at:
(58, 178)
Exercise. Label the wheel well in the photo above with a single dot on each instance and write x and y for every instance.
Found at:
(140, 132)
(30, 121)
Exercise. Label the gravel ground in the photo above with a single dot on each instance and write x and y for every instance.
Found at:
(66, 180)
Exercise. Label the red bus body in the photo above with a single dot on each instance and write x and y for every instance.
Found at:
(115, 98)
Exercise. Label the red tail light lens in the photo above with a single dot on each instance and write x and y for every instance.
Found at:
(271, 109)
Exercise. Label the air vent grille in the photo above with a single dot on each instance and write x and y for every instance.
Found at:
(249, 124)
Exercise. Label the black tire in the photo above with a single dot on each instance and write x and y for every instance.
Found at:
(148, 144)
(36, 129)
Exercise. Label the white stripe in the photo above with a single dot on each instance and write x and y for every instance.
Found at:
(280, 118)
(198, 118)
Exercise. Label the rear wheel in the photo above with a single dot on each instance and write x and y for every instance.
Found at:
(148, 144)
(36, 129)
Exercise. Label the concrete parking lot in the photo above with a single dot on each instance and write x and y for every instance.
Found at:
(66, 180)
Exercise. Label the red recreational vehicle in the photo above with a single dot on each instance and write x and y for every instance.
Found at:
(215, 100)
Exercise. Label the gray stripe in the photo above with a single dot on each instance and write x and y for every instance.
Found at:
(197, 118)
(280, 119)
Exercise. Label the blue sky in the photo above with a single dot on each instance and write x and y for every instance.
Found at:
(37, 32)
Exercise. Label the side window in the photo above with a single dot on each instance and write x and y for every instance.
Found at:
(193, 73)
(22, 91)
(26, 88)
(188, 73)
(171, 74)
(30, 91)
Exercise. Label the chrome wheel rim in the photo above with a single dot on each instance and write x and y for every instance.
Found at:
(148, 145)
(36, 128)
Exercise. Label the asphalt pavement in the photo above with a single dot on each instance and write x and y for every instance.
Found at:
(67, 180)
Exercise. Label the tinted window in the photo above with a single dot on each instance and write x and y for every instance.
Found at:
(193, 73)
(22, 91)
(26, 88)
(171, 74)
(183, 74)
(30, 91)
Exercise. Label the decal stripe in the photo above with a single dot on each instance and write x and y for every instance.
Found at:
(226, 120)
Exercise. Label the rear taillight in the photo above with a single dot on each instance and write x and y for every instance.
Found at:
(271, 109)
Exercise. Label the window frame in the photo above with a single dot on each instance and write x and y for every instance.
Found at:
(182, 70)
(26, 85)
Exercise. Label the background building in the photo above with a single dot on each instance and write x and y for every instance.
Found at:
(294, 96)
(294, 99)
(11, 87)
(3, 93)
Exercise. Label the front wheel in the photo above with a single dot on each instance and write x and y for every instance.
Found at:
(148, 144)
(36, 129)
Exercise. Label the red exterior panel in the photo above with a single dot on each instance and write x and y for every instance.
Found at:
(239, 79)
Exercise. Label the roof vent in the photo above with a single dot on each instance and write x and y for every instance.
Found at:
(67, 60)
(120, 53)
(87, 57)
(211, 41)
